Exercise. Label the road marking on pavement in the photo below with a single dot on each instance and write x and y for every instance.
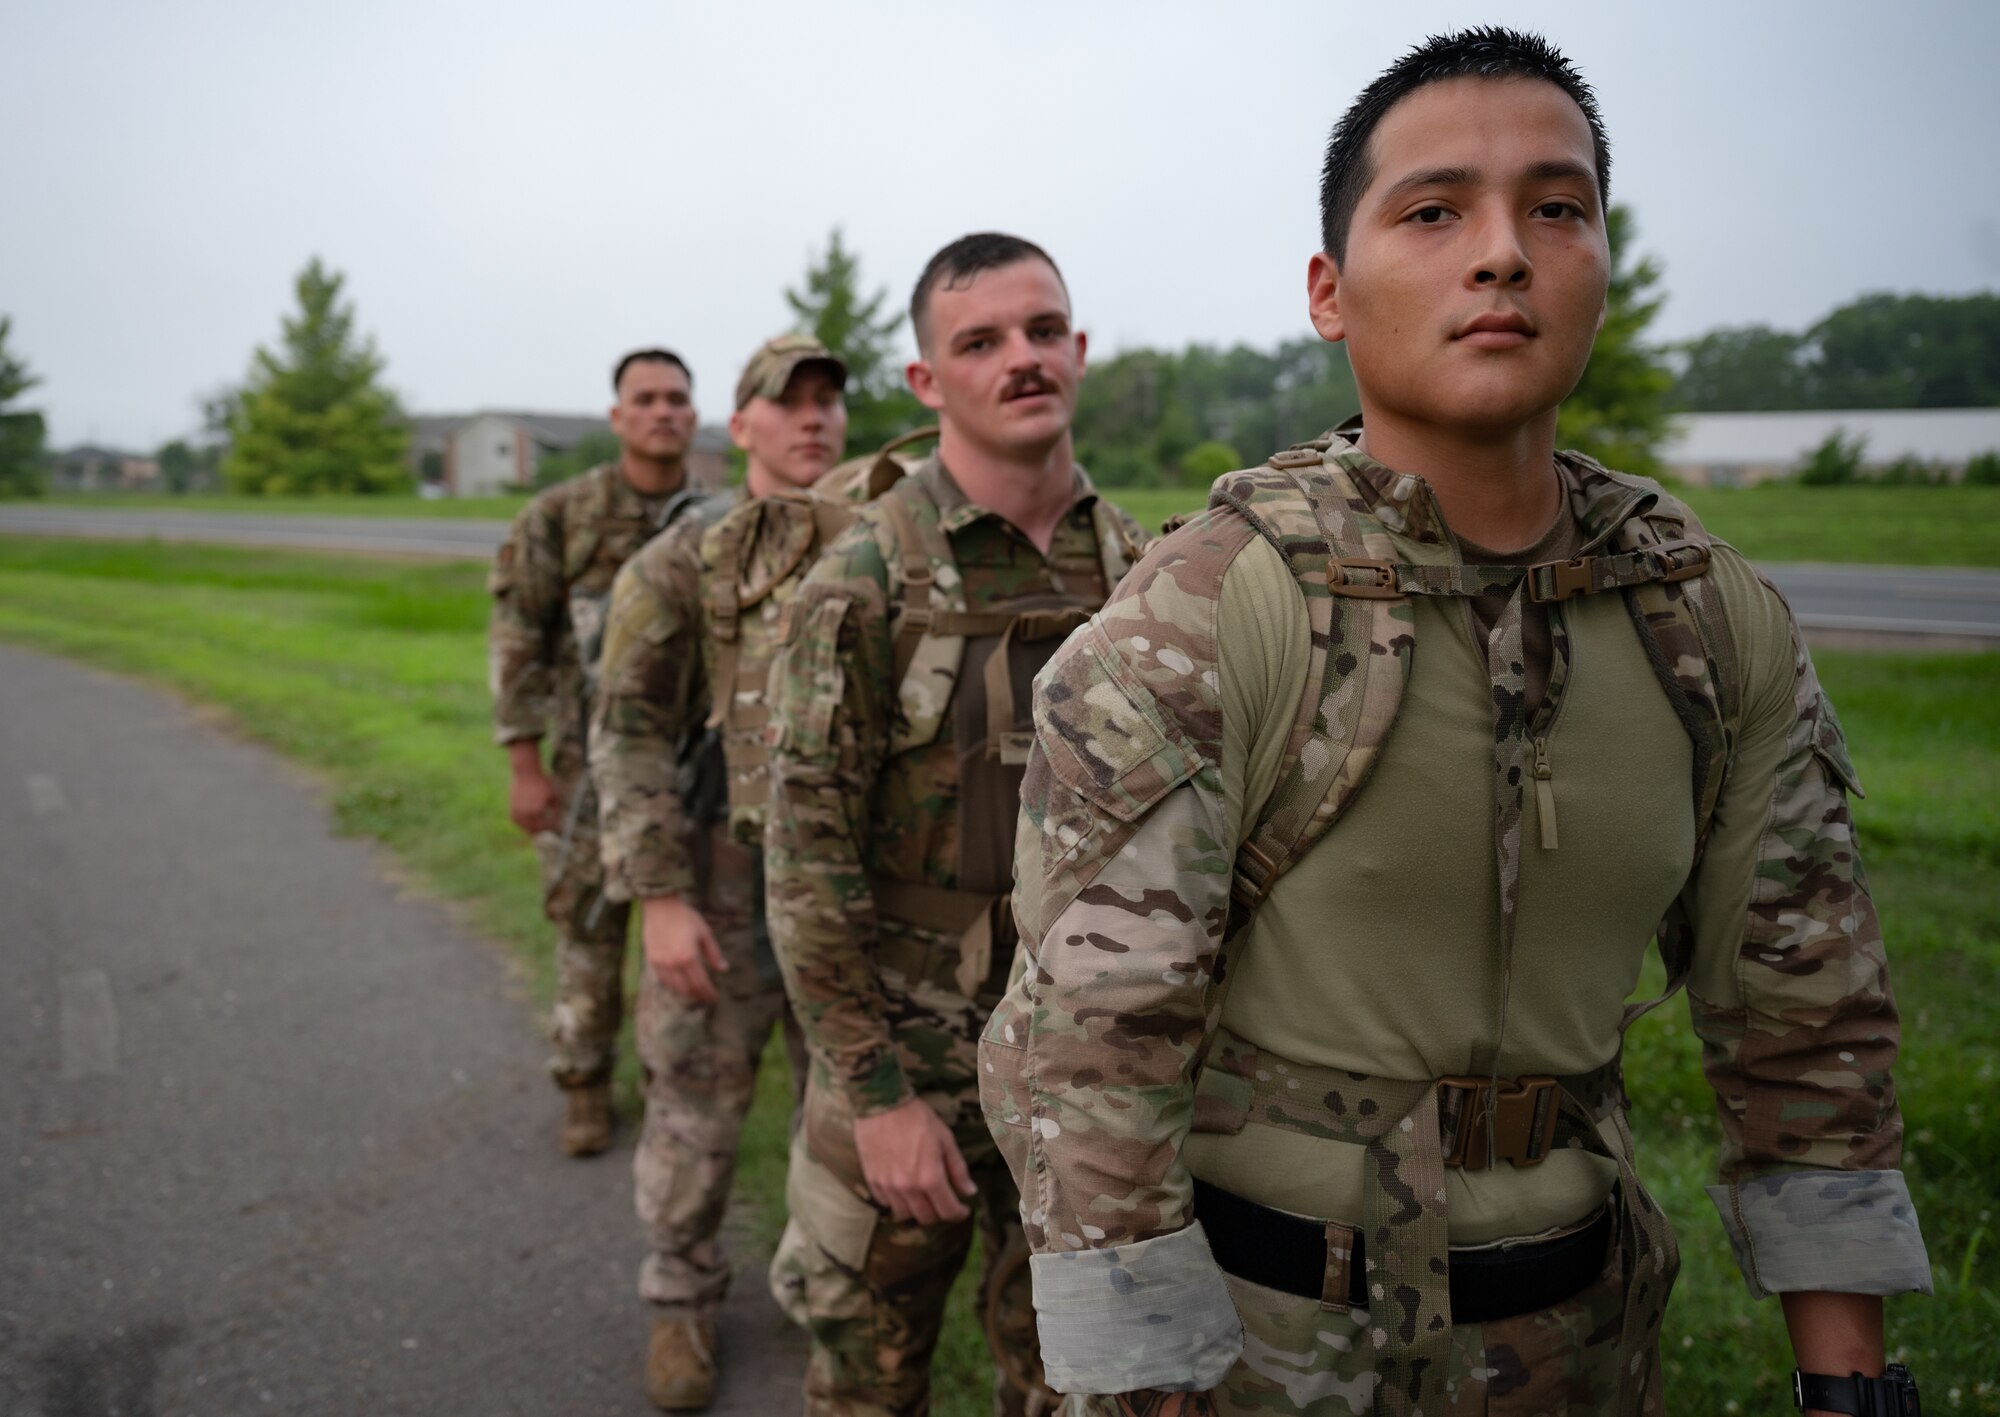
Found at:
(1964, 629)
(45, 794)
(89, 1025)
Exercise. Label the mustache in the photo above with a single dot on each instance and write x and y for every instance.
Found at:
(1030, 382)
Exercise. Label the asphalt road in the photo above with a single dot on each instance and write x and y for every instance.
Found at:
(275, 1138)
(1835, 600)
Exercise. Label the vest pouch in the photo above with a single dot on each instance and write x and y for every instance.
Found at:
(992, 756)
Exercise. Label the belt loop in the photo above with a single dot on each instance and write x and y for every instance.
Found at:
(1337, 1288)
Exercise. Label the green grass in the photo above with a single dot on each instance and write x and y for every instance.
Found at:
(501, 508)
(1906, 526)
(372, 672)
(1778, 521)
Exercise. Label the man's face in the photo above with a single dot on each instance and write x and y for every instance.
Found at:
(797, 436)
(1477, 263)
(1001, 364)
(654, 416)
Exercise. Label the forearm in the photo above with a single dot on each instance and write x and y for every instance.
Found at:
(524, 756)
(643, 828)
(1835, 1334)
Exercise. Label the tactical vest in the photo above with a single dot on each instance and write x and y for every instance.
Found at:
(739, 708)
(1346, 564)
(596, 542)
(977, 668)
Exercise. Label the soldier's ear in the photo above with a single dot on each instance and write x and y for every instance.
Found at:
(1323, 297)
(923, 384)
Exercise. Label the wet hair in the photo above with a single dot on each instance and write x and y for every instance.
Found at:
(958, 263)
(1488, 52)
(649, 356)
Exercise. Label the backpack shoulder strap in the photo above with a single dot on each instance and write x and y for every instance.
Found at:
(1304, 503)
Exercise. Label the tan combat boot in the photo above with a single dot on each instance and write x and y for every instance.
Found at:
(680, 1363)
(586, 1128)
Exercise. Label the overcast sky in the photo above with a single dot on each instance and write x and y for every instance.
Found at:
(519, 192)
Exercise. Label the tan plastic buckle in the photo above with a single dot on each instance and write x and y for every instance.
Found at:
(1569, 577)
(1384, 589)
(1524, 1120)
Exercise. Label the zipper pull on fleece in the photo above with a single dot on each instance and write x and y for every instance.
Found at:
(1545, 794)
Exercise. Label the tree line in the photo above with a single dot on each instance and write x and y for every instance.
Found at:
(314, 415)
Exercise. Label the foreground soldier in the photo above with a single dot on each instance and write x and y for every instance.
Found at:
(899, 718)
(550, 582)
(1348, 1137)
(693, 626)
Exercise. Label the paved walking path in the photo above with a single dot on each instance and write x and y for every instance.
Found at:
(274, 1138)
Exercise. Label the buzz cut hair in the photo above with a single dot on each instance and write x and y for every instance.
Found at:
(957, 264)
(649, 356)
(1486, 52)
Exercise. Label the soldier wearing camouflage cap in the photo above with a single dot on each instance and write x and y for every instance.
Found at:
(1346, 826)
(898, 732)
(550, 582)
(677, 755)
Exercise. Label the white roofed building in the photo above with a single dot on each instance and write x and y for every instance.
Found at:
(1738, 449)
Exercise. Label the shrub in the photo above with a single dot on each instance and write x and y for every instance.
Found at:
(1834, 463)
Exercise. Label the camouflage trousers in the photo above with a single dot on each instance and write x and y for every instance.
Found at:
(870, 1289)
(590, 941)
(700, 1063)
(1299, 1356)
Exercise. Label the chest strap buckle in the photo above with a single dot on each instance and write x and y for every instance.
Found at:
(1523, 1112)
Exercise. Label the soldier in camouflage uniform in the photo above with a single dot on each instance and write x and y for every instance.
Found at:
(898, 731)
(677, 756)
(1343, 838)
(550, 584)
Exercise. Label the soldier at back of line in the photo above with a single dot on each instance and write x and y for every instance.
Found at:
(898, 732)
(1344, 836)
(551, 582)
(677, 756)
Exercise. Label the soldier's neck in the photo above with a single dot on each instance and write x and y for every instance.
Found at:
(652, 477)
(1499, 489)
(1031, 490)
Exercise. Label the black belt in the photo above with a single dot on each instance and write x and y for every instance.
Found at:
(1288, 1252)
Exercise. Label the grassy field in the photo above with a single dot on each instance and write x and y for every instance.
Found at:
(1895, 526)
(1912, 526)
(372, 672)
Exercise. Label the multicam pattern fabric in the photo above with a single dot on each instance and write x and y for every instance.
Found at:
(865, 773)
(550, 582)
(868, 783)
(1127, 855)
(700, 1065)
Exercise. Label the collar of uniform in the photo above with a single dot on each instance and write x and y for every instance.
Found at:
(1600, 500)
(957, 511)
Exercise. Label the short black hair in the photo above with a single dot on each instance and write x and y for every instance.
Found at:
(652, 356)
(1487, 52)
(965, 258)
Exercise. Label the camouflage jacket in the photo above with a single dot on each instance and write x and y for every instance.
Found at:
(694, 624)
(865, 769)
(550, 583)
(1133, 817)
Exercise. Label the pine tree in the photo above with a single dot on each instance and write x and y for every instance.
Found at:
(21, 429)
(1618, 413)
(833, 310)
(312, 418)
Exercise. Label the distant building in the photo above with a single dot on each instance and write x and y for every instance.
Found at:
(498, 451)
(1739, 449)
(88, 468)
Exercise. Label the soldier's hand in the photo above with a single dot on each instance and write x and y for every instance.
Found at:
(912, 1164)
(681, 949)
(532, 799)
(1153, 1403)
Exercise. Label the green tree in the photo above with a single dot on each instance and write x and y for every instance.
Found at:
(1909, 351)
(178, 464)
(832, 308)
(600, 445)
(22, 430)
(1618, 413)
(1205, 462)
(313, 418)
(1744, 369)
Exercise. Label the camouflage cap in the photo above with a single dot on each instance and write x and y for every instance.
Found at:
(776, 360)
